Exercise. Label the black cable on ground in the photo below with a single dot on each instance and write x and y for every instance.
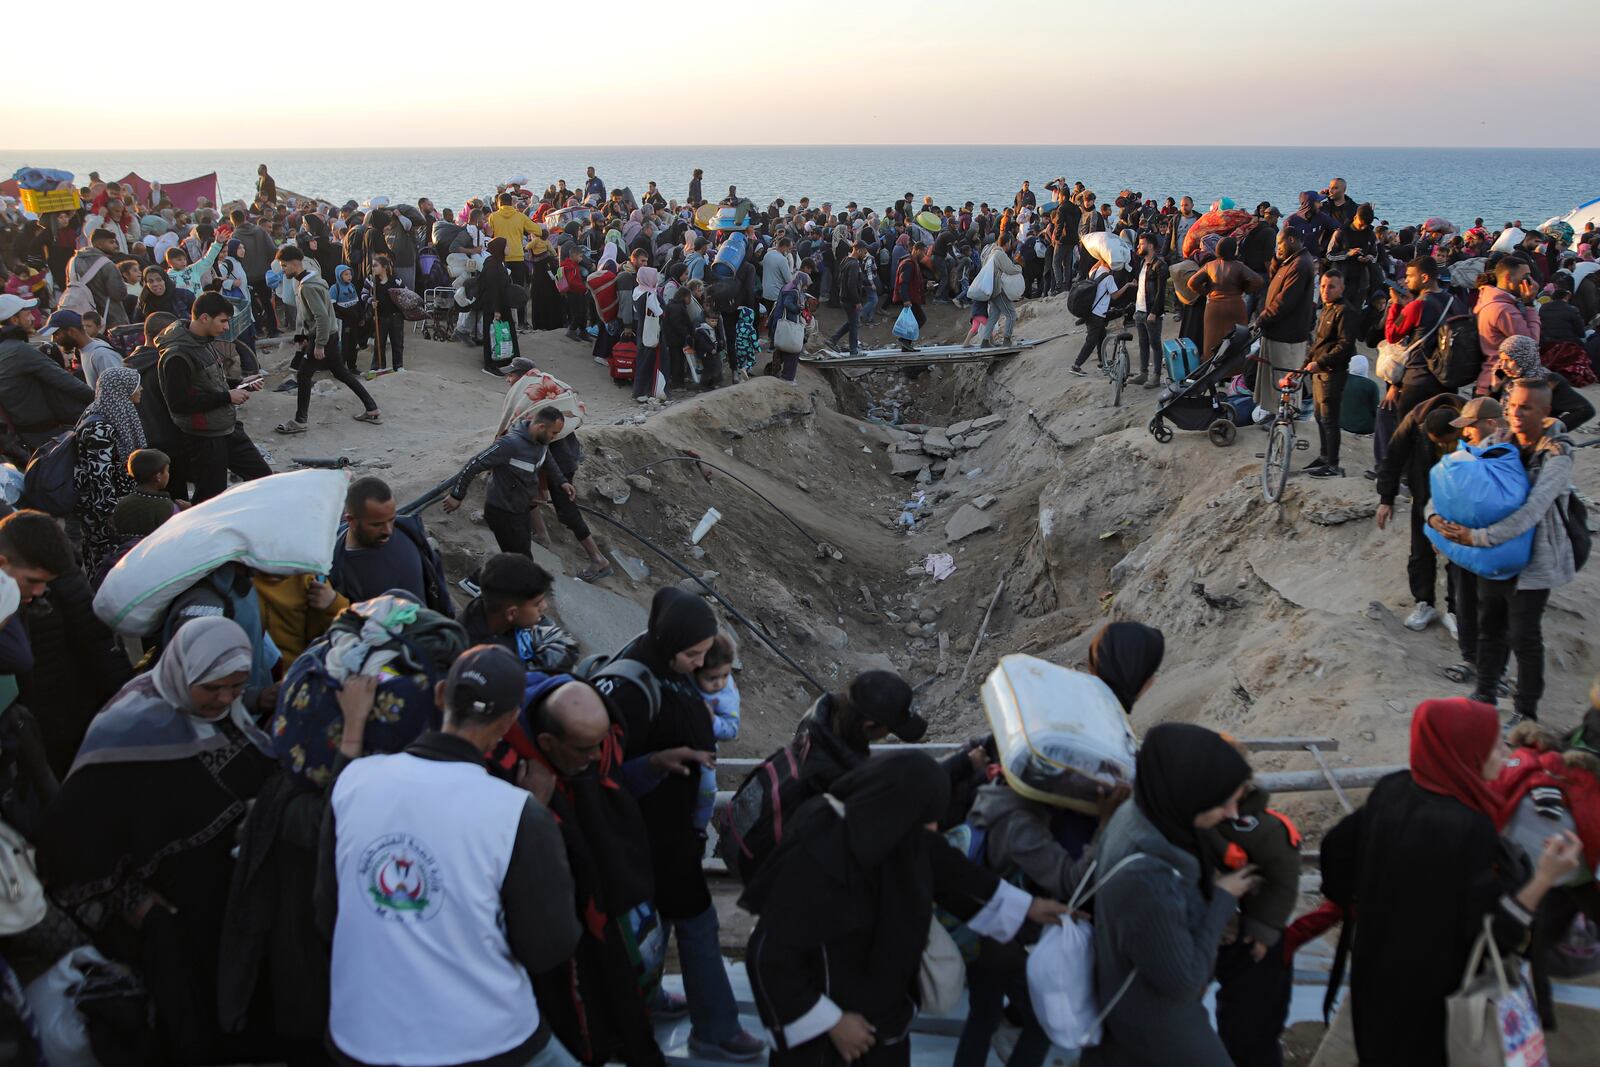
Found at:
(704, 463)
(735, 612)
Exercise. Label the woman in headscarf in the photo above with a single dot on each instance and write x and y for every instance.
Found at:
(109, 431)
(901, 249)
(494, 304)
(1422, 864)
(844, 906)
(1160, 909)
(1126, 656)
(647, 306)
(157, 293)
(677, 333)
(139, 842)
(666, 748)
(232, 282)
(791, 306)
(1223, 283)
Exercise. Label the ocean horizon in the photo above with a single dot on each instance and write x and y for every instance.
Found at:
(1405, 185)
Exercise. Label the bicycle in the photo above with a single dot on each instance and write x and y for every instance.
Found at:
(1116, 368)
(1281, 443)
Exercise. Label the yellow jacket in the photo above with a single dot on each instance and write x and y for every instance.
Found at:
(292, 622)
(513, 225)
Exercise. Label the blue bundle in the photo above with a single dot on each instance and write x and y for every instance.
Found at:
(1477, 486)
(41, 179)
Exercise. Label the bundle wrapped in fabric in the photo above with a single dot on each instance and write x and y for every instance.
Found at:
(1062, 735)
(1508, 240)
(1215, 221)
(1477, 486)
(1109, 249)
(245, 524)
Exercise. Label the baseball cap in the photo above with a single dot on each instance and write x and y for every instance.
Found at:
(1477, 410)
(62, 320)
(520, 365)
(885, 698)
(485, 682)
(11, 304)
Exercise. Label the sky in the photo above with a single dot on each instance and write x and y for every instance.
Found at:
(653, 72)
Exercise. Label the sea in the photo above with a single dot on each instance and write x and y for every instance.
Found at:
(1404, 185)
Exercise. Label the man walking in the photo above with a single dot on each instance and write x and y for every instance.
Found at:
(369, 560)
(1511, 612)
(1424, 437)
(851, 294)
(314, 318)
(1333, 344)
(445, 890)
(202, 403)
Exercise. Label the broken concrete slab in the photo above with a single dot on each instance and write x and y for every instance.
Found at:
(973, 440)
(937, 444)
(601, 620)
(985, 502)
(988, 422)
(904, 464)
(913, 445)
(958, 428)
(967, 521)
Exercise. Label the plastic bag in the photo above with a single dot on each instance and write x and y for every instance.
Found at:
(1061, 985)
(905, 326)
(1392, 362)
(1062, 735)
(982, 285)
(52, 996)
(501, 344)
(1477, 487)
(1013, 285)
(1108, 248)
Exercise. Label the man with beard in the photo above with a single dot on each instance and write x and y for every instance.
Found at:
(369, 560)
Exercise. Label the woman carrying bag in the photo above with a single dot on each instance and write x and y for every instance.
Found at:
(1421, 867)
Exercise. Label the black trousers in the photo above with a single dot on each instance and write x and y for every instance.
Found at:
(1091, 340)
(577, 312)
(513, 530)
(1252, 1004)
(520, 276)
(1422, 568)
(334, 365)
(1464, 587)
(265, 314)
(211, 458)
(1327, 392)
(1510, 621)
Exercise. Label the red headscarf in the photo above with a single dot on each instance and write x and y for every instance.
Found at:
(1450, 742)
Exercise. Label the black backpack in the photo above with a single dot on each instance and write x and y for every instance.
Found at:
(1456, 357)
(606, 673)
(1080, 298)
(750, 828)
(48, 483)
(1575, 516)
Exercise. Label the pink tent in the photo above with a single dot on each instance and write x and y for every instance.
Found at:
(140, 187)
(185, 195)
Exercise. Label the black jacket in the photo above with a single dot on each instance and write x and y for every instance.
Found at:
(1333, 342)
(1560, 321)
(1155, 284)
(850, 288)
(513, 462)
(1286, 310)
(159, 429)
(1412, 454)
(436, 595)
(36, 393)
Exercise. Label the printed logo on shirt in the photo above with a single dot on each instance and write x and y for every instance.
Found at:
(402, 880)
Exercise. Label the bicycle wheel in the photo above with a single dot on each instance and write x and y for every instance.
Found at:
(1118, 371)
(1275, 467)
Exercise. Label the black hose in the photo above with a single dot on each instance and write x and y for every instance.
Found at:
(695, 459)
(735, 612)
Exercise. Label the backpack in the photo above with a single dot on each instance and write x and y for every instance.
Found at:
(444, 235)
(48, 483)
(1575, 516)
(1456, 356)
(1080, 298)
(76, 296)
(750, 828)
(606, 673)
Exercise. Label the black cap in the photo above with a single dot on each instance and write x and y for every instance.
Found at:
(520, 365)
(484, 683)
(885, 698)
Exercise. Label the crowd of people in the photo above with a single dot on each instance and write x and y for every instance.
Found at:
(339, 818)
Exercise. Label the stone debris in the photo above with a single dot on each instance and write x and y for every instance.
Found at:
(967, 521)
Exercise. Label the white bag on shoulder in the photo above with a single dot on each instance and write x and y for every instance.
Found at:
(1061, 974)
(1013, 285)
(982, 285)
(789, 336)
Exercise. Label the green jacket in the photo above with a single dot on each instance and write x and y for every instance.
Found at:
(313, 307)
(1270, 842)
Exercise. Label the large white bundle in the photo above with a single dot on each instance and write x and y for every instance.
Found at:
(1062, 735)
(1507, 240)
(1108, 248)
(282, 524)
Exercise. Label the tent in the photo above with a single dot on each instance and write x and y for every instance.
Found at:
(185, 196)
(1582, 215)
(140, 187)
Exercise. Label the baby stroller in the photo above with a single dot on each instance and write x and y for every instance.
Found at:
(1196, 402)
(439, 304)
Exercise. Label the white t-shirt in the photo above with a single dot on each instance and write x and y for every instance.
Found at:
(1105, 285)
(1138, 304)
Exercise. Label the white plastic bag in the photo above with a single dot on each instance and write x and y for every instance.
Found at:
(1391, 362)
(650, 334)
(1108, 248)
(982, 285)
(53, 998)
(789, 336)
(245, 524)
(1013, 285)
(22, 902)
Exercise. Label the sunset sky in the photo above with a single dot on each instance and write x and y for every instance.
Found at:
(1258, 72)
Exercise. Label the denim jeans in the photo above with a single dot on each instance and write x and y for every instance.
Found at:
(870, 305)
(713, 1013)
(852, 326)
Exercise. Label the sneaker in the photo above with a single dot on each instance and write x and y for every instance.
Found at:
(1450, 624)
(1320, 461)
(1325, 472)
(472, 589)
(1423, 617)
(288, 385)
(1153, 383)
(669, 1006)
(603, 361)
(740, 1048)
(1139, 379)
(1079, 371)
(1370, 475)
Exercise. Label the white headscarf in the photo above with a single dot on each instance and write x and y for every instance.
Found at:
(202, 650)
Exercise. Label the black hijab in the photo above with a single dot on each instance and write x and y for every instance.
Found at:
(1183, 770)
(678, 620)
(1126, 655)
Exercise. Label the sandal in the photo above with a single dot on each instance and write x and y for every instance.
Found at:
(370, 416)
(1461, 672)
(290, 427)
(595, 572)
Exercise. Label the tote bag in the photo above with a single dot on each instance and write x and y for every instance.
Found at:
(789, 337)
(1492, 1021)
